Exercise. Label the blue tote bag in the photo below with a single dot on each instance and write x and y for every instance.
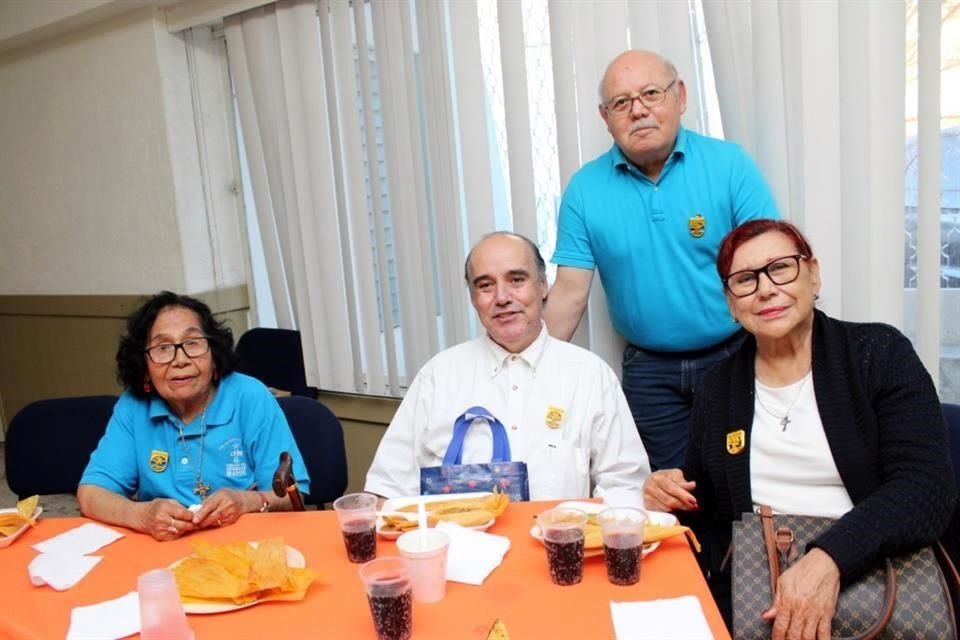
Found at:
(500, 474)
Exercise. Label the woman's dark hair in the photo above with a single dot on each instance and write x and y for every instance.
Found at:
(752, 229)
(131, 359)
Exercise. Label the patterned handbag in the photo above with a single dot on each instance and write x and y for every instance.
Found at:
(906, 597)
(502, 474)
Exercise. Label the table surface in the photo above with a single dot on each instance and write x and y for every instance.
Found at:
(519, 591)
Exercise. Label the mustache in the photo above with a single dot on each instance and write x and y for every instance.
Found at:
(648, 122)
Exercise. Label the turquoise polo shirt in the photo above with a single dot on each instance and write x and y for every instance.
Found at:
(655, 243)
(141, 452)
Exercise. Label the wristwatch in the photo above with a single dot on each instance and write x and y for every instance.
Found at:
(265, 507)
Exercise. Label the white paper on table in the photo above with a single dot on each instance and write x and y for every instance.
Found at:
(59, 571)
(80, 541)
(657, 619)
(473, 555)
(108, 620)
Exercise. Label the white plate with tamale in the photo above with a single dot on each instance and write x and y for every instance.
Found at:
(472, 510)
(593, 545)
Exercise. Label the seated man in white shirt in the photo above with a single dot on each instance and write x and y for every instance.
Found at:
(562, 406)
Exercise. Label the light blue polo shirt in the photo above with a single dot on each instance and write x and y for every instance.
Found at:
(655, 255)
(141, 451)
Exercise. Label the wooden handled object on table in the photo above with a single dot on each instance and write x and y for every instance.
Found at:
(284, 483)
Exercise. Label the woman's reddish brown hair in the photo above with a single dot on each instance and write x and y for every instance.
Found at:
(752, 229)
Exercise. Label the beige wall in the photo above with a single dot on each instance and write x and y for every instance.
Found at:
(118, 178)
(56, 346)
(118, 174)
(364, 419)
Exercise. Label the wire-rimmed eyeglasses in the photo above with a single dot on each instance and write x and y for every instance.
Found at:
(780, 271)
(649, 97)
(167, 352)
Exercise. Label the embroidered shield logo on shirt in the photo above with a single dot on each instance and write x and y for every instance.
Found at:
(697, 225)
(554, 417)
(736, 441)
(159, 460)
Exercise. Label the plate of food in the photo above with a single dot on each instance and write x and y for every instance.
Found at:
(13, 522)
(217, 578)
(660, 525)
(472, 510)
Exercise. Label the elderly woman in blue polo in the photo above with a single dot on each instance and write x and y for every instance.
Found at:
(190, 441)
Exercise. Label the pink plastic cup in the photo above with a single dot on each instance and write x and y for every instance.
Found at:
(161, 612)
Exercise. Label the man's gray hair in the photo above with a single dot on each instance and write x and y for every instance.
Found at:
(537, 256)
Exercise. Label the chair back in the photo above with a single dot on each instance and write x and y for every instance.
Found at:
(275, 358)
(951, 413)
(319, 437)
(49, 443)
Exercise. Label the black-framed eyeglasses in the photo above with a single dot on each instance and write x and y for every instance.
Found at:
(167, 352)
(780, 271)
(649, 97)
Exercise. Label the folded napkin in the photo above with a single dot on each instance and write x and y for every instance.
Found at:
(657, 619)
(473, 555)
(58, 571)
(84, 539)
(108, 620)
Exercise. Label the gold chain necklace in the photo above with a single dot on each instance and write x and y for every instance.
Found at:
(199, 488)
(784, 420)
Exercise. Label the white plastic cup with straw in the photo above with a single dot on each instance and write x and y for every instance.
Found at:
(426, 550)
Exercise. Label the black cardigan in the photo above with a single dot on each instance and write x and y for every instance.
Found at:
(885, 429)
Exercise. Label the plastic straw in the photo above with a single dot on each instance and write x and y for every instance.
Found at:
(422, 521)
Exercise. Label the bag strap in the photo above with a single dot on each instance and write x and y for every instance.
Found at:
(781, 547)
(951, 578)
(769, 540)
(501, 444)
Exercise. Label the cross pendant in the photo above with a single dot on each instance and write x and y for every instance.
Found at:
(201, 489)
(784, 422)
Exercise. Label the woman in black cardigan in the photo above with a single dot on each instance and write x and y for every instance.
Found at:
(812, 416)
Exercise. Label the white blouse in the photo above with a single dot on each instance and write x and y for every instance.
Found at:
(791, 467)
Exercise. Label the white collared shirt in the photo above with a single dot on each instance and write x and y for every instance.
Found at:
(592, 448)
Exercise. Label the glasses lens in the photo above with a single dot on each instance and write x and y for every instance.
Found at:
(742, 283)
(196, 347)
(784, 270)
(162, 353)
(652, 97)
(621, 104)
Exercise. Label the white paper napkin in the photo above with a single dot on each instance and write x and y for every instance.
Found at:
(473, 555)
(58, 571)
(657, 619)
(108, 620)
(85, 539)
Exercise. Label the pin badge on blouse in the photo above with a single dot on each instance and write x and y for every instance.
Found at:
(697, 225)
(736, 442)
(159, 460)
(554, 417)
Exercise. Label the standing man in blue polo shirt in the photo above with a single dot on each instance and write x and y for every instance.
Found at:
(649, 214)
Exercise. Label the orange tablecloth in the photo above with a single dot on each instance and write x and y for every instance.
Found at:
(519, 591)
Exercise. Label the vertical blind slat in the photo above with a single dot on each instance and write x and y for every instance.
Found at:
(375, 184)
(342, 208)
(514, 69)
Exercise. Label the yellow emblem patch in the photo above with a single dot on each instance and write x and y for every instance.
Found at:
(554, 417)
(736, 441)
(159, 460)
(697, 225)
